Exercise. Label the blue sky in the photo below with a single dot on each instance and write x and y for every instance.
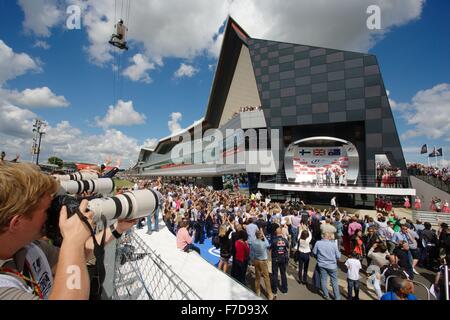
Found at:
(413, 50)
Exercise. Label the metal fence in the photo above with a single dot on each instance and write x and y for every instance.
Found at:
(434, 218)
(141, 274)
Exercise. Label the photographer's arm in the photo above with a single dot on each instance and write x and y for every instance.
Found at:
(71, 280)
(120, 226)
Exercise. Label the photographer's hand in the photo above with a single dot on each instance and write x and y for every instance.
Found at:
(71, 261)
(73, 229)
(125, 225)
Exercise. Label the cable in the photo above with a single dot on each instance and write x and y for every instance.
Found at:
(128, 12)
(114, 57)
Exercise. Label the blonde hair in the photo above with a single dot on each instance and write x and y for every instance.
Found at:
(22, 186)
(223, 230)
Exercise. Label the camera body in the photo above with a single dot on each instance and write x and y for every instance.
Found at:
(125, 206)
(72, 204)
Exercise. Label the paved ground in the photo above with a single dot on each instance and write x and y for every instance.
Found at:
(297, 291)
(426, 191)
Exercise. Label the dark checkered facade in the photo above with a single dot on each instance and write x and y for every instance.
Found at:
(303, 85)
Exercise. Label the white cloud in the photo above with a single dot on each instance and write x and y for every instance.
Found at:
(94, 148)
(15, 121)
(174, 125)
(185, 70)
(138, 70)
(428, 113)
(211, 67)
(42, 15)
(186, 29)
(63, 140)
(413, 150)
(334, 24)
(122, 114)
(41, 44)
(14, 64)
(34, 98)
(150, 143)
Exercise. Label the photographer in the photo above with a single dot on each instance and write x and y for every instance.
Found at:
(31, 268)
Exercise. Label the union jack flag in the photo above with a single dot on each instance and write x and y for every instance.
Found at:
(319, 152)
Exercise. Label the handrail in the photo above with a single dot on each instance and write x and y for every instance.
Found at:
(146, 271)
(432, 217)
(362, 180)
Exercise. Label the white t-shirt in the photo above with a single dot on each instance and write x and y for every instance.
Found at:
(333, 202)
(353, 266)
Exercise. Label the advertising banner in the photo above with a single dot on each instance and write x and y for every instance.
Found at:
(309, 163)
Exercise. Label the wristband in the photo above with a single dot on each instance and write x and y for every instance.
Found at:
(114, 232)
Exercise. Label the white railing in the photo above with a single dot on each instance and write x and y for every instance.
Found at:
(141, 274)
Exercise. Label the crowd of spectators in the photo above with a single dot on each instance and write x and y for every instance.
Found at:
(253, 233)
(250, 231)
(418, 169)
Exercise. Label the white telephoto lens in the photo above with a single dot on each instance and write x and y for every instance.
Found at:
(99, 186)
(129, 205)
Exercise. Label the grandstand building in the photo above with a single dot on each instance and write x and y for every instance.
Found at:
(301, 108)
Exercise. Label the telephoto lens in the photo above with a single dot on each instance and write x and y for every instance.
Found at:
(77, 176)
(128, 205)
(101, 186)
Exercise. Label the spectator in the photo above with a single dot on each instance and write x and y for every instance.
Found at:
(353, 267)
(393, 270)
(251, 229)
(357, 245)
(429, 242)
(280, 259)
(259, 256)
(327, 255)
(242, 256)
(411, 238)
(353, 226)
(303, 255)
(224, 246)
(403, 289)
(184, 240)
(404, 261)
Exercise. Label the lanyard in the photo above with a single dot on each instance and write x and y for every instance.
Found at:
(35, 286)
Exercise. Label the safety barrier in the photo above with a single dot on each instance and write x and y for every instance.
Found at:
(435, 218)
(140, 274)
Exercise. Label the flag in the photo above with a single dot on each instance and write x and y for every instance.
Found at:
(439, 152)
(319, 152)
(303, 152)
(424, 149)
(433, 154)
(334, 152)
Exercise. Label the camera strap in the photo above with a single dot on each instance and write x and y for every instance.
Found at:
(99, 253)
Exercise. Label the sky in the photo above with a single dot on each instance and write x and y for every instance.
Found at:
(102, 102)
